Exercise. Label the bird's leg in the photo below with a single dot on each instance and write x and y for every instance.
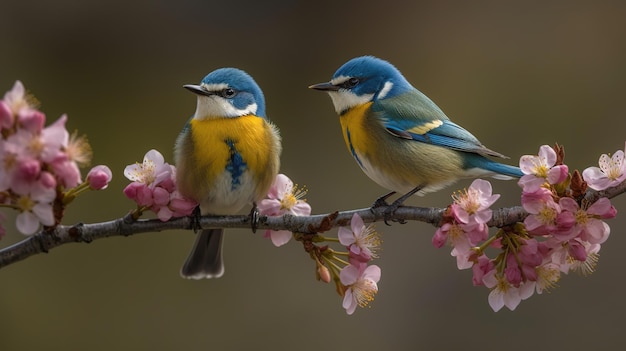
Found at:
(254, 217)
(382, 201)
(391, 209)
(195, 219)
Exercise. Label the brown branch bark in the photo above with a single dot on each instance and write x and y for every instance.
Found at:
(46, 240)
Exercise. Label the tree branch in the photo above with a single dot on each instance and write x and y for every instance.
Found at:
(50, 238)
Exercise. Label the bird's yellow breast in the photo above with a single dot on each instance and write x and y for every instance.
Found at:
(354, 133)
(211, 138)
(240, 150)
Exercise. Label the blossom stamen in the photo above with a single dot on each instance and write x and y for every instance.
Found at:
(364, 292)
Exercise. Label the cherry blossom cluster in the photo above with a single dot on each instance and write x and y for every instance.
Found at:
(358, 280)
(153, 188)
(562, 232)
(355, 280)
(40, 166)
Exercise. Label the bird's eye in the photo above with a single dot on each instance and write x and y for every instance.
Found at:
(350, 83)
(228, 93)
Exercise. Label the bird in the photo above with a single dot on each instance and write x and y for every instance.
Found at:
(226, 156)
(399, 137)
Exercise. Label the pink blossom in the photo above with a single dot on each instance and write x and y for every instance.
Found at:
(283, 197)
(361, 283)
(472, 205)
(47, 179)
(588, 224)
(151, 172)
(140, 193)
(547, 276)
(441, 236)
(612, 171)
(463, 237)
(54, 140)
(528, 258)
(482, 266)
(503, 293)
(154, 187)
(181, 206)
(512, 271)
(362, 241)
(541, 169)
(31, 120)
(28, 170)
(8, 163)
(35, 207)
(471, 213)
(99, 177)
(463, 257)
(16, 99)
(44, 145)
(27, 152)
(66, 171)
(586, 263)
(534, 201)
(546, 216)
(574, 255)
(160, 197)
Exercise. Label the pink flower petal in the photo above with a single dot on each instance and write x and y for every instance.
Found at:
(349, 302)
(27, 223)
(547, 154)
(496, 300)
(346, 237)
(280, 237)
(373, 273)
(44, 213)
(349, 275)
(269, 207)
(301, 208)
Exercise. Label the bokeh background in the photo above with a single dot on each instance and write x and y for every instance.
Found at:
(517, 74)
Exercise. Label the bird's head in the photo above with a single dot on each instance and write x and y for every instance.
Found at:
(361, 80)
(228, 92)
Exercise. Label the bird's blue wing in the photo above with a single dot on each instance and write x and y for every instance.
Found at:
(413, 116)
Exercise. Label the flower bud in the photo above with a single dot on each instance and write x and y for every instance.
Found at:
(99, 177)
(322, 273)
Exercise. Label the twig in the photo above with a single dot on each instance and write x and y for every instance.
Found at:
(50, 238)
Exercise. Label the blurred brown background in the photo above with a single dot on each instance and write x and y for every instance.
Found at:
(516, 75)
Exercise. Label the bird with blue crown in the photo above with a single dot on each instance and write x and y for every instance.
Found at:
(227, 157)
(399, 137)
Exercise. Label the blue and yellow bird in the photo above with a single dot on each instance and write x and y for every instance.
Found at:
(227, 157)
(399, 137)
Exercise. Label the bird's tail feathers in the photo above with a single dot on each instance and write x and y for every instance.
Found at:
(480, 164)
(205, 258)
(503, 171)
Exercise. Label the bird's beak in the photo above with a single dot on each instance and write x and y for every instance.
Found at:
(324, 87)
(197, 89)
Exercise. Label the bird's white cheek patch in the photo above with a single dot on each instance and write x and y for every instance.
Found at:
(344, 99)
(215, 106)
